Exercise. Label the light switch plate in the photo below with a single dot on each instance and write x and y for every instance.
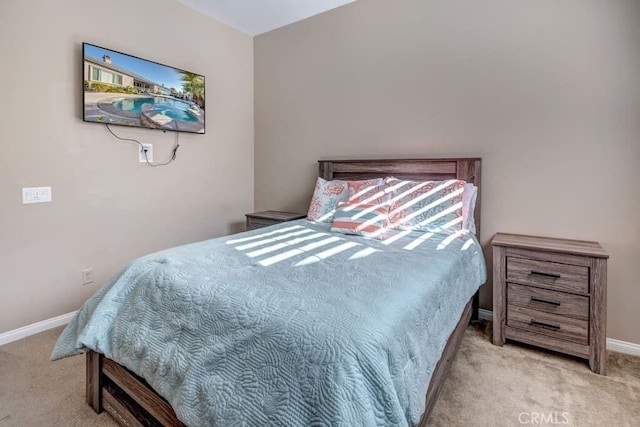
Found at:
(36, 195)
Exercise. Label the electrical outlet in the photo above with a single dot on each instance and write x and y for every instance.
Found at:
(141, 154)
(87, 276)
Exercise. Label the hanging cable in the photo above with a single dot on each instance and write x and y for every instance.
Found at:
(144, 150)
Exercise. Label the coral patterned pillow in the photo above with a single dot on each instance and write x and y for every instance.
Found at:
(326, 197)
(370, 191)
(328, 194)
(361, 219)
(426, 205)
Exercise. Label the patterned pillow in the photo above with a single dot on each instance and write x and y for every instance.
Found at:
(361, 219)
(426, 205)
(326, 197)
(371, 191)
(328, 194)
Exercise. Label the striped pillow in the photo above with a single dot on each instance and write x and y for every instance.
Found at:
(360, 219)
(426, 205)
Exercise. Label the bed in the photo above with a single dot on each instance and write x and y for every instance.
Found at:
(131, 400)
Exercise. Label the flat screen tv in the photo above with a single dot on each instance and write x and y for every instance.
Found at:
(121, 89)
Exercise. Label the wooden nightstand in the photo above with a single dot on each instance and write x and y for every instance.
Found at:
(551, 293)
(266, 218)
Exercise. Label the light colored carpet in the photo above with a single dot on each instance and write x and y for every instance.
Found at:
(487, 386)
(37, 392)
(521, 385)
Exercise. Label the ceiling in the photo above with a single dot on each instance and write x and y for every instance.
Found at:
(259, 16)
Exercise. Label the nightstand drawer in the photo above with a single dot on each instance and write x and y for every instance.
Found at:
(253, 223)
(563, 277)
(267, 218)
(562, 304)
(552, 325)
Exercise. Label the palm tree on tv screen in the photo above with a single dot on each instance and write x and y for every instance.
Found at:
(193, 84)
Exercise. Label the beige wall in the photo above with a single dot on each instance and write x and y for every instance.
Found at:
(547, 92)
(107, 208)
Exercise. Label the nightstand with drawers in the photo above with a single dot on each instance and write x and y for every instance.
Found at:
(267, 218)
(551, 293)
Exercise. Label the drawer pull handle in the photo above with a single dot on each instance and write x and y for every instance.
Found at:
(544, 273)
(545, 324)
(546, 301)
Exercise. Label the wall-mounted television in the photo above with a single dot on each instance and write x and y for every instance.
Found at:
(121, 89)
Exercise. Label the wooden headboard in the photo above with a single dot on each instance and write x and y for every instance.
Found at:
(466, 169)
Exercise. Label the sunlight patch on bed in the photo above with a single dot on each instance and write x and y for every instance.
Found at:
(305, 238)
(272, 240)
(298, 251)
(259, 236)
(364, 253)
(266, 250)
(450, 239)
(328, 253)
(467, 244)
(418, 241)
(452, 223)
(396, 237)
(280, 257)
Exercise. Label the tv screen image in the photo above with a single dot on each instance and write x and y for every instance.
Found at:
(125, 90)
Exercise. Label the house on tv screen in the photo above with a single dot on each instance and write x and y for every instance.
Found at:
(97, 73)
(116, 95)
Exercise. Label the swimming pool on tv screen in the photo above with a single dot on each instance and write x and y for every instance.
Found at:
(172, 108)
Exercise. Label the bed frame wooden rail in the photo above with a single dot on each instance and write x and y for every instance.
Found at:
(132, 402)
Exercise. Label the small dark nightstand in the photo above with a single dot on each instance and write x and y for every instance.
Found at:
(267, 218)
(551, 293)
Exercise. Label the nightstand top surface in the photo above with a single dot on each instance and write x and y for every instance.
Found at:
(567, 246)
(276, 215)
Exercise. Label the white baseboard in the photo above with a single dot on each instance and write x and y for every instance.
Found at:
(485, 314)
(612, 344)
(25, 331)
(623, 347)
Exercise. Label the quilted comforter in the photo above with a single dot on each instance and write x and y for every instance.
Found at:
(286, 325)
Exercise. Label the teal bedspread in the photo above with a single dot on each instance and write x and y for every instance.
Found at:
(286, 325)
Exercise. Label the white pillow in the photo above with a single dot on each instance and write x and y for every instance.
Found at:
(469, 195)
